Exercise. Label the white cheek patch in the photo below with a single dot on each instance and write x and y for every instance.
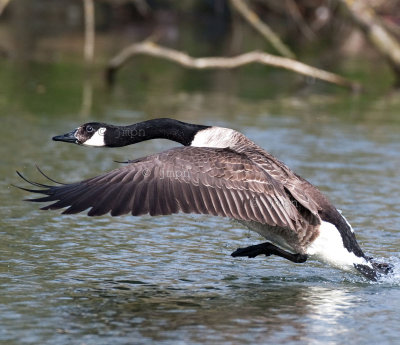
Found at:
(328, 247)
(97, 138)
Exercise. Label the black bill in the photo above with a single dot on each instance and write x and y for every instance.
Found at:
(68, 137)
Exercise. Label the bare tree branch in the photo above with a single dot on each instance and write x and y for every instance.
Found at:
(262, 28)
(3, 5)
(152, 49)
(299, 20)
(383, 41)
(142, 7)
(88, 50)
(392, 27)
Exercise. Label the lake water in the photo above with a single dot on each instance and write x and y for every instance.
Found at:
(171, 280)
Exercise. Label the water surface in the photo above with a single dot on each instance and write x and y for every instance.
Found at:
(76, 279)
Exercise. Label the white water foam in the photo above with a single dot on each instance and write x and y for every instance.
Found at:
(392, 278)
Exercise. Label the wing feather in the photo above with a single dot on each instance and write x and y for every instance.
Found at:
(188, 179)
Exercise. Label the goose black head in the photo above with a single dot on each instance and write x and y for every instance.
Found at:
(89, 134)
(101, 134)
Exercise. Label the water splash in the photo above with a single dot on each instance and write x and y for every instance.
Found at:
(392, 278)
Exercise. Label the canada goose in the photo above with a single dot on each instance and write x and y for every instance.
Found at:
(218, 172)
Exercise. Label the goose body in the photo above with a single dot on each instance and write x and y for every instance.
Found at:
(218, 171)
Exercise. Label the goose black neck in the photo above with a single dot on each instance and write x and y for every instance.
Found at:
(181, 132)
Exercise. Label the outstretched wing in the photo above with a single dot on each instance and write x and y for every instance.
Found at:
(218, 182)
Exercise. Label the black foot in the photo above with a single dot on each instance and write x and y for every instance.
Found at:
(253, 251)
(268, 249)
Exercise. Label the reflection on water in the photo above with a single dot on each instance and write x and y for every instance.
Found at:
(266, 311)
(240, 312)
(327, 309)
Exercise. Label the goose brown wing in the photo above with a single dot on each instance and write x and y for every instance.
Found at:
(300, 190)
(211, 181)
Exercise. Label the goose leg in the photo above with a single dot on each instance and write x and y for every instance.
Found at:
(268, 249)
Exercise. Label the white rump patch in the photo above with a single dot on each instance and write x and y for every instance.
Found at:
(215, 137)
(97, 139)
(328, 247)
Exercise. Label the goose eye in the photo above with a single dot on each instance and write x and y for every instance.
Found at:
(89, 129)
